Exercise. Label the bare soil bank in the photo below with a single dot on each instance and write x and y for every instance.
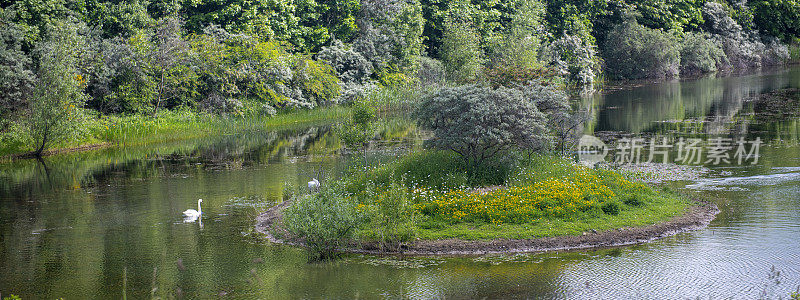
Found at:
(696, 217)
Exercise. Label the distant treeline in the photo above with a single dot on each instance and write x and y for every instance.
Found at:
(62, 59)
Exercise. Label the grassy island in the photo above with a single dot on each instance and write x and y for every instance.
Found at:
(431, 195)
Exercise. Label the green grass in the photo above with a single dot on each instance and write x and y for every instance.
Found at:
(560, 198)
(663, 209)
(167, 126)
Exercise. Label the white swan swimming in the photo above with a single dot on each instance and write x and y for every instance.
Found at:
(191, 215)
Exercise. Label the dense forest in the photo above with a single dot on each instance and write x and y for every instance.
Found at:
(64, 63)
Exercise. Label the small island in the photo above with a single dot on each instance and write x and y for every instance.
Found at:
(548, 204)
(490, 180)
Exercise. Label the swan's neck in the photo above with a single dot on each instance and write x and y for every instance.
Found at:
(199, 209)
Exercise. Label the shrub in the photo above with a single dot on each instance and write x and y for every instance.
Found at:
(515, 76)
(317, 80)
(431, 71)
(574, 57)
(54, 107)
(324, 221)
(392, 220)
(350, 65)
(479, 122)
(518, 45)
(633, 51)
(777, 18)
(461, 53)
(390, 34)
(610, 208)
(548, 197)
(700, 53)
(633, 200)
(744, 49)
(357, 132)
(16, 72)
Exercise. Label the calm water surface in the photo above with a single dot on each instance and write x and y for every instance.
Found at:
(106, 223)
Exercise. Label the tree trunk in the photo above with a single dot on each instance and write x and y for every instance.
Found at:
(160, 91)
(40, 149)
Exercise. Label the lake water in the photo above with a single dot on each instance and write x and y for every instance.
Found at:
(107, 223)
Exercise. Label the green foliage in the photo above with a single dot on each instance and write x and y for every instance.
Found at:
(700, 53)
(745, 50)
(324, 222)
(633, 51)
(36, 18)
(12, 297)
(521, 38)
(611, 208)
(778, 18)
(392, 219)
(54, 107)
(574, 57)
(681, 15)
(16, 71)
(514, 76)
(123, 18)
(390, 34)
(431, 72)
(350, 65)
(439, 170)
(307, 25)
(461, 53)
(487, 19)
(480, 122)
(360, 129)
(317, 80)
(363, 113)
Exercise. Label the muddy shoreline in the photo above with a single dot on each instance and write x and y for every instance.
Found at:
(696, 217)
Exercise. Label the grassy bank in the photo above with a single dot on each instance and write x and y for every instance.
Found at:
(165, 127)
(432, 195)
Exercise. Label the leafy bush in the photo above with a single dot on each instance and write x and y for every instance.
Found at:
(57, 96)
(575, 57)
(778, 18)
(350, 65)
(700, 53)
(359, 130)
(392, 218)
(518, 45)
(16, 72)
(461, 53)
(324, 221)
(390, 34)
(479, 122)
(611, 208)
(431, 71)
(438, 170)
(633, 200)
(744, 49)
(633, 51)
(515, 76)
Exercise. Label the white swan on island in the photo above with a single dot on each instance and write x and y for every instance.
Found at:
(313, 185)
(191, 215)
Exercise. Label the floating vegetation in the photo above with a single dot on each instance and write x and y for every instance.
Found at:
(402, 263)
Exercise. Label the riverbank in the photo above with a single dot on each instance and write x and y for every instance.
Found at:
(697, 216)
(121, 131)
